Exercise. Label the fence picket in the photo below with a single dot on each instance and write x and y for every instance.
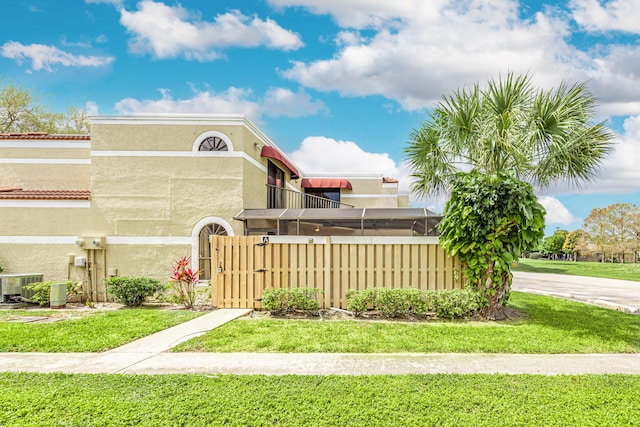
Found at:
(248, 267)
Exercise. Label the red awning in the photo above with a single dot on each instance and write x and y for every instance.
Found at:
(326, 183)
(272, 153)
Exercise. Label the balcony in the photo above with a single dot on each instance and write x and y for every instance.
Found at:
(283, 198)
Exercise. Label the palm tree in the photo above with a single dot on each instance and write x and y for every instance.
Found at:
(507, 133)
(540, 136)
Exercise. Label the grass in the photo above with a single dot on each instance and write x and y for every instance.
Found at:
(98, 331)
(550, 326)
(605, 270)
(410, 400)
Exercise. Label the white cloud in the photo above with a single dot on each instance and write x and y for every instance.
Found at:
(426, 46)
(113, 2)
(620, 172)
(45, 57)
(283, 102)
(91, 108)
(364, 13)
(169, 32)
(322, 155)
(619, 15)
(276, 102)
(416, 51)
(557, 213)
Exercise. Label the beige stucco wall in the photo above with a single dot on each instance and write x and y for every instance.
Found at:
(150, 260)
(163, 196)
(43, 221)
(45, 165)
(48, 259)
(45, 177)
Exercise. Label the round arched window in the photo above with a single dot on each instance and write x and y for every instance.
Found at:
(213, 143)
(204, 263)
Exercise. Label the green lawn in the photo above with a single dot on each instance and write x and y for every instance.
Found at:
(409, 400)
(86, 331)
(605, 270)
(550, 326)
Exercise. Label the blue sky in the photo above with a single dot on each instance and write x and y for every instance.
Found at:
(337, 84)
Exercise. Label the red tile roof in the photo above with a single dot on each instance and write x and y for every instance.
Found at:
(20, 194)
(44, 136)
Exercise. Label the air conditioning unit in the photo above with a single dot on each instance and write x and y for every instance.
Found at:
(12, 286)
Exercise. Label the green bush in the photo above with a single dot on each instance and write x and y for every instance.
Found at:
(132, 291)
(360, 301)
(42, 290)
(285, 299)
(396, 302)
(445, 304)
(453, 303)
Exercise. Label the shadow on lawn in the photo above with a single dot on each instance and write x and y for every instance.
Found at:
(582, 321)
(531, 269)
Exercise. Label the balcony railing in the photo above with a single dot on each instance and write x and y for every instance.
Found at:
(281, 198)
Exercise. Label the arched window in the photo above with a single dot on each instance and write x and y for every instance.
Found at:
(213, 143)
(204, 261)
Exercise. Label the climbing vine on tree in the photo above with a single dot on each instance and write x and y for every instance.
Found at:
(488, 222)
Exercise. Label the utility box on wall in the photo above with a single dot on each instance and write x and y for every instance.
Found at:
(91, 242)
(94, 242)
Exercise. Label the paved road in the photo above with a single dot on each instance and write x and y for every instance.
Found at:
(622, 295)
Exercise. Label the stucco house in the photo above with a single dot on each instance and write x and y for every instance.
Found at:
(141, 191)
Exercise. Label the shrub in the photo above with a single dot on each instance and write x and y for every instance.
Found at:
(285, 299)
(360, 301)
(446, 304)
(132, 291)
(42, 290)
(453, 303)
(184, 279)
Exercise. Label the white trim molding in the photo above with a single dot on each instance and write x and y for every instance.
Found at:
(20, 143)
(110, 240)
(218, 154)
(37, 161)
(148, 240)
(59, 204)
(38, 240)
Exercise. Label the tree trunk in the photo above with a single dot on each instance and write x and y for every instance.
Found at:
(495, 309)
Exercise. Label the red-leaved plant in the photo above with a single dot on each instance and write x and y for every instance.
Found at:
(184, 280)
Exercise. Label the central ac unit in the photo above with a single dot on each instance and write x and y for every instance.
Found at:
(12, 286)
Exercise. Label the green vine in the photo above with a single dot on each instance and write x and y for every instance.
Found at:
(488, 222)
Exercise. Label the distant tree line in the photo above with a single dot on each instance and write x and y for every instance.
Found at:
(21, 112)
(612, 233)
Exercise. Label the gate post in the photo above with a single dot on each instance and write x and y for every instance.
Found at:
(327, 274)
(214, 269)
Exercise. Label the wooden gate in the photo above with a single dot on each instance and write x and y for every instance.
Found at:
(243, 266)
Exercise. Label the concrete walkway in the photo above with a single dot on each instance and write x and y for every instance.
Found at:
(149, 356)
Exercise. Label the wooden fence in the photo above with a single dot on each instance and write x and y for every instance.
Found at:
(243, 266)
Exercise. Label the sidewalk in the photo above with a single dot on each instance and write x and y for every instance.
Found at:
(149, 355)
